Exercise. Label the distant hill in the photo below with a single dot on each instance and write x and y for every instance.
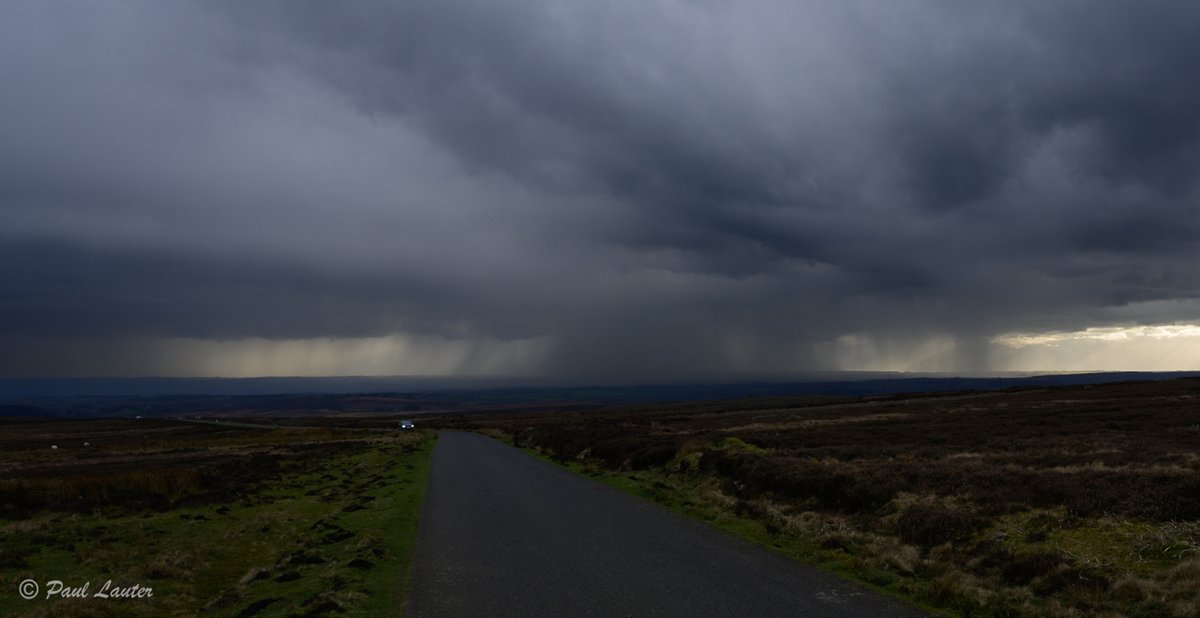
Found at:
(840, 383)
(23, 411)
(307, 396)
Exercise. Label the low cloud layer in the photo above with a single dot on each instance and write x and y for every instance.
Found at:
(633, 189)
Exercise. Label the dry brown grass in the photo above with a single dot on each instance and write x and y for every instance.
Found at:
(145, 464)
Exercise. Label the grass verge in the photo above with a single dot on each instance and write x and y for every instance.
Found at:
(327, 527)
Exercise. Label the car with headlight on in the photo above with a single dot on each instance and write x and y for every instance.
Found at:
(407, 425)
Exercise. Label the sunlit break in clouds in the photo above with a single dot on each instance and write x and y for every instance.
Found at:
(1147, 348)
(619, 190)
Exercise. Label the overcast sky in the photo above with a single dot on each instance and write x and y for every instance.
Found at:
(634, 189)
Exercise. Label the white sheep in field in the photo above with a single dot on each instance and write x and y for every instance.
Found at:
(54, 447)
(87, 443)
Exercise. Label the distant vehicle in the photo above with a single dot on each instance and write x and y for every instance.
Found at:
(407, 425)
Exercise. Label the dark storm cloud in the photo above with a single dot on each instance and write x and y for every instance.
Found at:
(652, 187)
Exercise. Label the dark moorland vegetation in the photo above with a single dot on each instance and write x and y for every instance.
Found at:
(217, 520)
(1073, 501)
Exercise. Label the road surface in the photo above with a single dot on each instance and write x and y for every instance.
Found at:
(505, 534)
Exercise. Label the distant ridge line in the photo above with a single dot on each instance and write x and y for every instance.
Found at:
(827, 383)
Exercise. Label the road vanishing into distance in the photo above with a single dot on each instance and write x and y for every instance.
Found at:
(505, 534)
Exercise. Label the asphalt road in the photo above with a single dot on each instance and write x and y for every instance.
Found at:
(505, 534)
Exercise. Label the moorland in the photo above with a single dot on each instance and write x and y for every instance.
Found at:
(1033, 500)
(1068, 501)
(213, 519)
